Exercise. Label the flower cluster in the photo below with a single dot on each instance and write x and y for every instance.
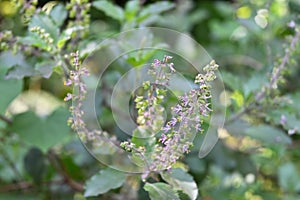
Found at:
(149, 107)
(28, 9)
(178, 133)
(76, 120)
(43, 35)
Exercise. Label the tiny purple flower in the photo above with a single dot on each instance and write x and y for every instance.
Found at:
(166, 128)
(185, 100)
(198, 127)
(146, 114)
(292, 24)
(283, 120)
(68, 82)
(177, 109)
(68, 97)
(185, 149)
(173, 121)
(156, 62)
(163, 138)
(292, 131)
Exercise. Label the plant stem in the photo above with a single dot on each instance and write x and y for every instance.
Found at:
(59, 167)
(274, 78)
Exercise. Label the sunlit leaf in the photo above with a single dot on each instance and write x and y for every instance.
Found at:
(110, 9)
(181, 180)
(159, 191)
(104, 181)
(59, 14)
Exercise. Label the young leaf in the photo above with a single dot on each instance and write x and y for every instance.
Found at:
(154, 9)
(45, 68)
(34, 40)
(110, 9)
(15, 65)
(66, 35)
(59, 14)
(131, 9)
(158, 191)
(104, 181)
(9, 89)
(181, 180)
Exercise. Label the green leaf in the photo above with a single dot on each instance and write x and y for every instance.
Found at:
(42, 132)
(131, 9)
(232, 81)
(110, 9)
(155, 9)
(159, 191)
(268, 134)
(32, 39)
(19, 72)
(292, 122)
(181, 180)
(104, 181)
(9, 89)
(59, 14)
(15, 65)
(238, 98)
(289, 178)
(34, 163)
(253, 84)
(45, 22)
(295, 97)
(45, 68)
(67, 34)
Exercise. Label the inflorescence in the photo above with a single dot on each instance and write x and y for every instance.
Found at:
(176, 136)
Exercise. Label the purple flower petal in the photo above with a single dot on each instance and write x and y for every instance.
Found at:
(292, 24)
(163, 138)
(173, 121)
(68, 82)
(156, 62)
(68, 97)
(166, 128)
(177, 109)
(283, 120)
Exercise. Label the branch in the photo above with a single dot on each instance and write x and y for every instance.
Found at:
(274, 78)
(24, 185)
(59, 167)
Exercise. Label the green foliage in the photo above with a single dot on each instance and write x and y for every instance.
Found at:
(110, 9)
(181, 180)
(160, 191)
(257, 155)
(104, 181)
